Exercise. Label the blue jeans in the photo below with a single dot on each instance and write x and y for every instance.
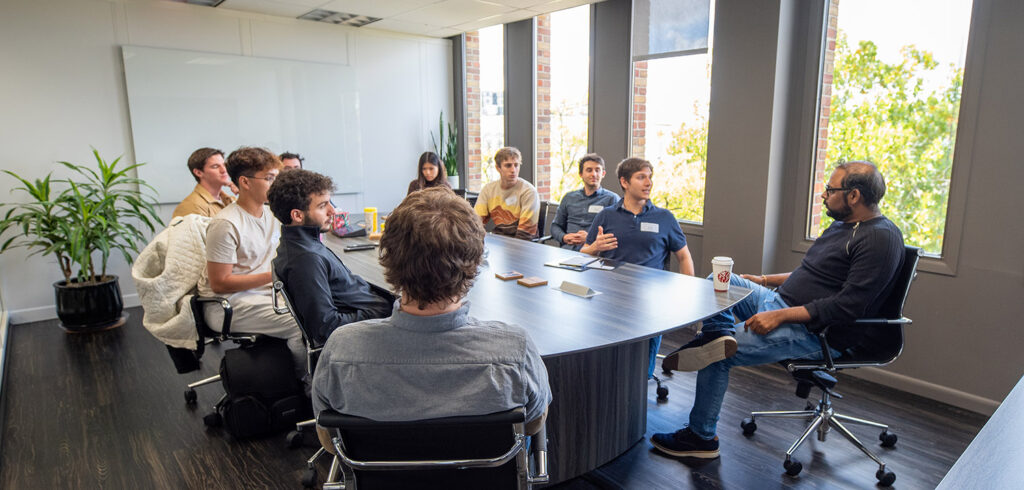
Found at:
(787, 341)
(654, 345)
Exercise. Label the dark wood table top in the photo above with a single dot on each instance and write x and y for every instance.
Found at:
(635, 302)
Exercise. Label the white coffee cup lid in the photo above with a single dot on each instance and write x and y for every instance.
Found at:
(721, 260)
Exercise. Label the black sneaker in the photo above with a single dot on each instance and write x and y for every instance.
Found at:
(703, 350)
(683, 443)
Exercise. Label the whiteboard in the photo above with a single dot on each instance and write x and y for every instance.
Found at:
(183, 100)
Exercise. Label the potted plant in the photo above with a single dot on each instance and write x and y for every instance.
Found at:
(81, 221)
(448, 151)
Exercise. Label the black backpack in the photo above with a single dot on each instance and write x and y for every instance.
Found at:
(262, 395)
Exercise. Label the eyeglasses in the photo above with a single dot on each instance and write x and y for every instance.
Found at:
(269, 178)
(830, 190)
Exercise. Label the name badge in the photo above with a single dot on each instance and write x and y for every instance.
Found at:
(511, 200)
(649, 227)
(594, 208)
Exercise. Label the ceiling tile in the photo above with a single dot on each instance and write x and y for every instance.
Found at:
(451, 12)
(403, 26)
(444, 32)
(268, 7)
(556, 5)
(505, 18)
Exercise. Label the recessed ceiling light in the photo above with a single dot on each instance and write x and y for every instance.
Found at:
(343, 18)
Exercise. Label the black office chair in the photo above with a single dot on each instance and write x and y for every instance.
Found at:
(485, 451)
(187, 360)
(544, 218)
(883, 346)
(313, 348)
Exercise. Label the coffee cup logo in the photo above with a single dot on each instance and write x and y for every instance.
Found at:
(723, 276)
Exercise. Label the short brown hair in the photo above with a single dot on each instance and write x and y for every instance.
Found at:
(591, 157)
(630, 166)
(432, 247)
(507, 153)
(248, 160)
(197, 160)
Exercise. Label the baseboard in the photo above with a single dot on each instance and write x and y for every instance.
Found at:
(926, 389)
(49, 312)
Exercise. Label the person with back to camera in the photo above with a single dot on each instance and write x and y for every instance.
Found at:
(430, 173)
(431, 358)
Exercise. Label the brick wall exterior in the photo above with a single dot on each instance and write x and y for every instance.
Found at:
(543, 117)
(639, 119)
(473, 161)
(821, 145)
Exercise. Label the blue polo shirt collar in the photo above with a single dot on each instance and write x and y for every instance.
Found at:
(622, 203)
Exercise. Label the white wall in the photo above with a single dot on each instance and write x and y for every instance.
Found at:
(63, 90)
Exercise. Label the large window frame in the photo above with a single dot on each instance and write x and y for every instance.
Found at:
(946, 262)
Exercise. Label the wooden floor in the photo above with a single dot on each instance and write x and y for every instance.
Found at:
(106, 411)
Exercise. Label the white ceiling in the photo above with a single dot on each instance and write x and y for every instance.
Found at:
(435, 18)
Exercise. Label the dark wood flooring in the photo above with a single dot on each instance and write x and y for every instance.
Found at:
(105, 410)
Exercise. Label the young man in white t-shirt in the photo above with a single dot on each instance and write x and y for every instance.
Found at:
(240, 243)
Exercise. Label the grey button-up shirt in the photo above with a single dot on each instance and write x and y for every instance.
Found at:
(577, 211)
(409, 367)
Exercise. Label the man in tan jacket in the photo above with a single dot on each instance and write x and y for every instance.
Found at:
(207, 167)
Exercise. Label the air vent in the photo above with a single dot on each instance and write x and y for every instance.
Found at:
(332, 17)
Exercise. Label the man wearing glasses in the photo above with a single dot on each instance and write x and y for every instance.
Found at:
(240, 243)
(843, 276)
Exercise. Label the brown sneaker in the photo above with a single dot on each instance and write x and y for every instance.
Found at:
(701, 352)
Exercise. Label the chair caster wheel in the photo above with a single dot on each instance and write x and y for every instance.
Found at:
(662, 394)
(190, 396)
(888, 438)
(212, 419)
(309, 478)
(793, 467)
(885, 478)
(749, 426)
(294, 439)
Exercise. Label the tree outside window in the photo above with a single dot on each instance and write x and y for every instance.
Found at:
(890, 93)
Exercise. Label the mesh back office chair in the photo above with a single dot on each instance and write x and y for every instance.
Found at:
(880, 349)
(486, 451)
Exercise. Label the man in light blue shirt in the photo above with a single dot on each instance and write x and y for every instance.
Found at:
(578, 208)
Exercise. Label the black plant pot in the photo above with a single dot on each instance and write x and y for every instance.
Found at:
(89, 307)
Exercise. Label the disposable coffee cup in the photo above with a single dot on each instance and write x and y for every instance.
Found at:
(721, 270)
(371, 219)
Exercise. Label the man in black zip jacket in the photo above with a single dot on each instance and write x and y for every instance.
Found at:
(323, 292)
(845, 275)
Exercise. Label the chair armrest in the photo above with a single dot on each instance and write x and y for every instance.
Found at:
(541, 239)
(225, 329)
(885, 321)
(278, 290)
(539, 448)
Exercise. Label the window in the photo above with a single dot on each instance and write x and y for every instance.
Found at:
(485, 103)
(890, 92)
(563, 84)
(671, 92)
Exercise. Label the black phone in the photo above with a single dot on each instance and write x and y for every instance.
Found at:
(362, 246)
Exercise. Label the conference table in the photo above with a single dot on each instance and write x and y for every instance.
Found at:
(595, 349)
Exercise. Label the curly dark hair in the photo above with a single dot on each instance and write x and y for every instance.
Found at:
(432, 247)
(249, 160)
(197, 161)
(294, 190)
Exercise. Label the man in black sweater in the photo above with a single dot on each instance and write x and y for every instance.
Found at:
(845, 275)
(323, 292)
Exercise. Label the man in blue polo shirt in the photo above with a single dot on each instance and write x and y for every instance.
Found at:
(638, 232)
(578, 208)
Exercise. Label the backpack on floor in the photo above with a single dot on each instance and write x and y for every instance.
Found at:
(262, 395)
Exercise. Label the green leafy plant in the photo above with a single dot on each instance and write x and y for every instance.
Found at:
(450, 146)
(96, 212)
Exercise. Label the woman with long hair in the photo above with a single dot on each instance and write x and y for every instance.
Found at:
(430, 173)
